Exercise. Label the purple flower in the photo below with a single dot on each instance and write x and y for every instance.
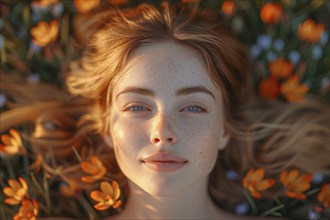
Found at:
(294, 56)
(264, 41)
(325, 82)
(1, 41)
(242, 208)
(324, 38)
(255, 51)
(3, 100)
(34, 48)
(313, 215)
(317, 178)
(317, 52)
(231, 174)
(278, 44)
(271, 56)
(57, 9)
(34, 78)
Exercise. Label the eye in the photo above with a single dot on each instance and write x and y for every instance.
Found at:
(136, 108)
(194, 108)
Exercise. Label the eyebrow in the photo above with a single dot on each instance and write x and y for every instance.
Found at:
(180, 92)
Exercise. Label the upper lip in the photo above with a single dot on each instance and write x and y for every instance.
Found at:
(164, 157)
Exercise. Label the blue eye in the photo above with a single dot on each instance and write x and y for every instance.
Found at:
(136, 108)
(194, 108)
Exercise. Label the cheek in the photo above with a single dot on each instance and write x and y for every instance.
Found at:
(127, 140)
(208, 148)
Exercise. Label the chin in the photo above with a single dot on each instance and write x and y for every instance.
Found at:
(162, 189)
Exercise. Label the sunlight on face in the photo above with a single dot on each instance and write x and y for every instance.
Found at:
(166, 120)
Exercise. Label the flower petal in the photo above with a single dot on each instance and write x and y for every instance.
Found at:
(101, 206)
(97, 196)
(8, 191)
(106, 188)
(88, 179)
(265, 184)
(11, 201)
(89, 168)
(14, 184)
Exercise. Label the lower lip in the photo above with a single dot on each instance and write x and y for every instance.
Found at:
(164, 166)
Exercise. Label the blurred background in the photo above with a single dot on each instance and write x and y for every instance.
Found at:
(288, 41)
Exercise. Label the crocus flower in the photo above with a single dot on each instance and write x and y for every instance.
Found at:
(84, 6)
(45, 3)
(45, 33)
(254, 182)
(16, 191)
(94, 168)
(324, 195)
(70, 188)
(280, 68)
(228, 7)
(310, 31)
(295, 184)
(29, 210)
(269, 88)
(12, 143)
(271, 13)
(293, 91)
(107, 197)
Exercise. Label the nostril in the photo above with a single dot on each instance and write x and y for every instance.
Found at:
(156, 140)
(170, 139)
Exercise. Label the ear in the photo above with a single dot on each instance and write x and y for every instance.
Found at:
(108, 141)
(223, 140)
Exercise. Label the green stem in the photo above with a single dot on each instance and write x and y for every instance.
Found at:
(272, 210)
(252, 203)
(10, 168)
(47, 197)
(77, 154)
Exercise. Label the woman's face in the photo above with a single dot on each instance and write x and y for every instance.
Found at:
(166, 119)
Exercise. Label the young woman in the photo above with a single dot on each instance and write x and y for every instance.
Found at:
(168, 91)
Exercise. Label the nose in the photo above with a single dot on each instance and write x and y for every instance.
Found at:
(162, 131)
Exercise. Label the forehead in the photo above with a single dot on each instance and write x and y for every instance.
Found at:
(165, 65)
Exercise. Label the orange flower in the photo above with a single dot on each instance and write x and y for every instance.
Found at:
(107, 197)
(84, 6)
(96, 170)
(293, 91)
(16, 191)
(45, 3)
(12, 144)
(254, 182)
(280, 68)
(295, 185)
(29, 210)
(69, 189)
(269, 88)
(228, 7)
(44, 33)
(310, 32)
(324, 195)
(271, 13)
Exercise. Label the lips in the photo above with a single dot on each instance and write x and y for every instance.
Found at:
(164, 162)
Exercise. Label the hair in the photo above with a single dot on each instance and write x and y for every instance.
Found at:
(271, 135)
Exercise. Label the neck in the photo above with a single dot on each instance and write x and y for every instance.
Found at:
(192, 202)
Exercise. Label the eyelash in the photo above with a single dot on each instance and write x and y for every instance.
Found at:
(141, 108)
(199, 109)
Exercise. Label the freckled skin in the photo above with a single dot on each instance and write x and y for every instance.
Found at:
(165, 68)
